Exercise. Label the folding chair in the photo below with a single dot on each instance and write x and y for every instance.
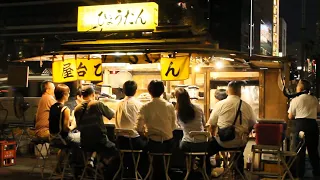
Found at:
(202, 137)
(165, 155)
(129, 133)
(43, 143)
(230, 160)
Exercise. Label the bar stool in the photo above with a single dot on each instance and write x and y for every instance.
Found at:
(165, 155)
(95, 170)
(66, 168)
(202, 137)
(40, 144)
(230, 159)
(129, 133)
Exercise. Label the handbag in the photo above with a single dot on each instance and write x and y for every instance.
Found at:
(228, 133)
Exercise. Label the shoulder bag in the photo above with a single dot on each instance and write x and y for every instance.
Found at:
(228, 133)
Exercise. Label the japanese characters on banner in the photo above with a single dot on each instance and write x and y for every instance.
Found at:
(175, 69)
(81, 69)
(117, 17)
(89, 69)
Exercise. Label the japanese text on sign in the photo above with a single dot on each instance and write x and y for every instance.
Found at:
(136, 16)
(80, 69)
(90, 70)
(64, 71)
(173, 69)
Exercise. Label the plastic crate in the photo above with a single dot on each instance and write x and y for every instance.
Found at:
(7, 153)
(269, 134)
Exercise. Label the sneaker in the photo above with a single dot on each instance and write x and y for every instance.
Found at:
(216, 172)
(91, 162)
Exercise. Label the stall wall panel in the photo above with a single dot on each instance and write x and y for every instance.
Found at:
(275, 101)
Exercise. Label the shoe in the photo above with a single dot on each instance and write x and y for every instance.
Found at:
(91, 162)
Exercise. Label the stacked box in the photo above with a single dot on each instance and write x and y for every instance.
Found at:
(7, 153)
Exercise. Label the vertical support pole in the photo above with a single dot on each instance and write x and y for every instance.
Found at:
(262, 94)
(207, 94)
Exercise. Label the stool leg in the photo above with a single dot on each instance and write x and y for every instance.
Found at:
(166, 166)
(120, 166)
(204, 168)
(188, 164)
(136, 164)
(85, 165)
(150, 167)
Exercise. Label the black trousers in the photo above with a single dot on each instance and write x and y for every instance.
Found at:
(214, 148)
(311, 131)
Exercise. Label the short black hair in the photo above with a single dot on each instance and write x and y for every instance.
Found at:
(87, 91)
(306, 85)
(236, 85)
(130, 88)
(79, 91)
(44, 86)
(60, 91)
(156, 88)
(220, 94)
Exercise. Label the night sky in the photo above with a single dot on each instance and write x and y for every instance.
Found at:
(290, 10)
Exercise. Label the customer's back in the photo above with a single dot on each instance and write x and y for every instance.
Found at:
(157, 116)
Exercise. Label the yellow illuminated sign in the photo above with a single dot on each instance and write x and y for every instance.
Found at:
(64, 71)
(175, 69)
(118, 17)
(80, 69)
(89, 69)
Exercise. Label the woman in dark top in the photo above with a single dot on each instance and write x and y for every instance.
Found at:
(65, 124)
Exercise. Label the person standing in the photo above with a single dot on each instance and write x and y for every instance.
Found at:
(303, 109)
(42, 116)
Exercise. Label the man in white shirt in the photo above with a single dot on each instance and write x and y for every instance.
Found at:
(157, 119)
(127, 115)
(303, 109)
(224, 114)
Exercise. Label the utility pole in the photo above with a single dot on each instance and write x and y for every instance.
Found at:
(251, 29)
(303, 43)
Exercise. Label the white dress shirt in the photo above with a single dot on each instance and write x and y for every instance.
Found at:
(223, 116)
(157, 117)
(127, 114)
(304, 106)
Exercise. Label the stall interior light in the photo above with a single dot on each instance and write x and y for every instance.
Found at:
(219, 65)
(227, 59)
(114, 64)
(299, 67)
(263, 68)
(124, 54)
(197, 68)
(159, 66)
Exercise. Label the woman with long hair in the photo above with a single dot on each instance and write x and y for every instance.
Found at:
(190, 118)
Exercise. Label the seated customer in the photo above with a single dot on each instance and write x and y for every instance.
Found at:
(127, 115)
(157, 119)
(61, 123)
(42, 116)
(190, 118)
(89, 119)
(224, 114)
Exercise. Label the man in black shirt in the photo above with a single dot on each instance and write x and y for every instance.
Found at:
(89, 119)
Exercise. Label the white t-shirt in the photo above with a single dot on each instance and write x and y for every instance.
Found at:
(304, 106)
(223, 115)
